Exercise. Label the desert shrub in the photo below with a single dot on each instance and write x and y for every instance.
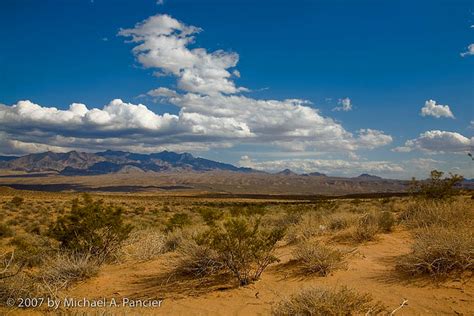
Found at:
(244, 247)
(366, 228)
(439, 250)
(425, 213)
(339, 221)
(91, 228)
(5, 230)
(210, 215)
(363, 229)
(65, 270)
(175, 238)
(33, 227)
(316, 258)
(197, 260)
(386, 221)
(32, 250)
(248, 210)
(20, 285)
(436, 187)
(17, 201)
(323, 302)
(145, 244)
(309, 226)
(178, 220)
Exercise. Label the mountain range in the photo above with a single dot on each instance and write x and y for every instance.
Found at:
(81, 163)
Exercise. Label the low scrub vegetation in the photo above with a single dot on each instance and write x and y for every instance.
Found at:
(64, 270)
(322, 302)
(244, 247)
(91, 228)
(438, 251)
(426, 213)
(197, 260)
(436, 187)
(367, 226)
(144, 245)
(316, 258)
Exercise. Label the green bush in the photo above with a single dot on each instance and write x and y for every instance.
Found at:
(248, 210)
(244, 247)
(436, 187)
(210, 215)
(32, 250)
(178, 220)
(386, 221)
(91, 228)
(5, 230)
(17, 201)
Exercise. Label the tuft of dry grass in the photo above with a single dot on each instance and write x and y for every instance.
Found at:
(67, 269)
(316, 258)
(310, 225)
(144, 245)
(197, 260)
(323, 302)
(425, 213)
(340, 221)
(438, 251)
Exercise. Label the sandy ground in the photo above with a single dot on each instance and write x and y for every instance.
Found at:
(370, 269)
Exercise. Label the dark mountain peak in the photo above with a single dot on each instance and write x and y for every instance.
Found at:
(366, 176)
(317, 174)
(287, 172)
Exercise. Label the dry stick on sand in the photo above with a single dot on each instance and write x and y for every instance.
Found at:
(404, 303)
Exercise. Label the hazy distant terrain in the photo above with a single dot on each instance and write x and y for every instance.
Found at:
(165, 171)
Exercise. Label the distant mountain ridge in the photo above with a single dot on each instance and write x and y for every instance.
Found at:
(82, 163)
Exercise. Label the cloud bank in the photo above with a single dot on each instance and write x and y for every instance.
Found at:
(327, 166)
(212, 111)
(437, 141)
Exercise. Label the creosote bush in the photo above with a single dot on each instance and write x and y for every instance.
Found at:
(243, 246)
(17, 201)
(316, 258)
(436, 187)
(91, 228)
(324, 302)
(32, 251)
(178, 220)
(5, 230)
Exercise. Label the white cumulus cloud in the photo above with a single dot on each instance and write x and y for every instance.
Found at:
(438, 141)
(469, 51)
(211, 110)
(436, 110)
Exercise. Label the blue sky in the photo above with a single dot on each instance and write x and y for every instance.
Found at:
(361, 71)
